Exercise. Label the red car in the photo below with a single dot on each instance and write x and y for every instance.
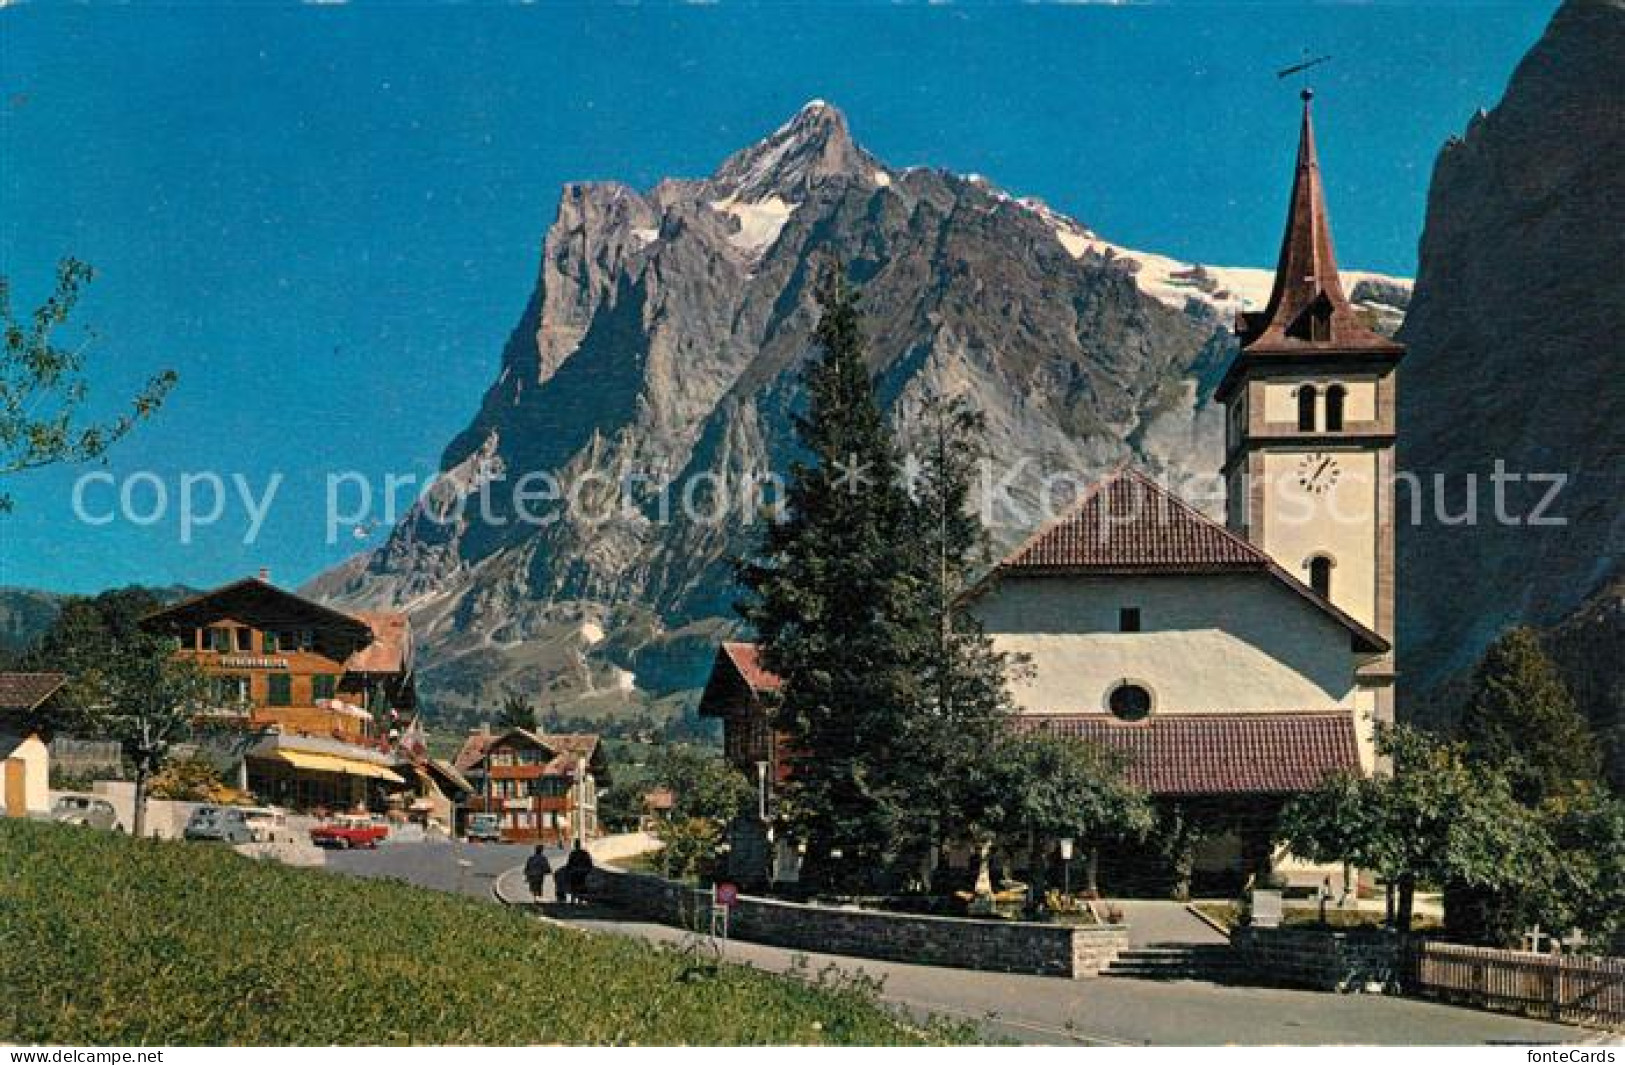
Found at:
(345, 833)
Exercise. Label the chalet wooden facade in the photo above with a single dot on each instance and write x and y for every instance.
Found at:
(313, 688)
(544, 788)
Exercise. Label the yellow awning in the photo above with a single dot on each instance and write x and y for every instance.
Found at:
(332, 763)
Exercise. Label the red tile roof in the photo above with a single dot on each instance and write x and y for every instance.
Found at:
(474, 749)
(25, 691)
(747, 659)
(1127, 523)
(1219, 753)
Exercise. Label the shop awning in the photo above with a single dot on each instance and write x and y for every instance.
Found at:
(332, 763)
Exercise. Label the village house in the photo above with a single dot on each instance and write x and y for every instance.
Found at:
(543, 788)
(1234, 665)
(25, 760)
(310, 692)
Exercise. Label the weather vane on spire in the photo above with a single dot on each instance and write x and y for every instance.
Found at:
(1302, 68)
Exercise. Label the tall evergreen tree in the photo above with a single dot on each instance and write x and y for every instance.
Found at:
(832, 600)
(1521, 719)
(964, 698)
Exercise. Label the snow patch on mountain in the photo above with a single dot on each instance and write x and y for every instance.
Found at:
(1225, 290)
(759, 222)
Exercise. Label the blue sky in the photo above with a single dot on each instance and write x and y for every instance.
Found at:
(327, 218)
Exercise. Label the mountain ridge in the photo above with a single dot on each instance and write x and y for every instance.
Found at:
(662, 342)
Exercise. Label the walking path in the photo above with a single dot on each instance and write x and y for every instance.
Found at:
(1153, 923)
(1111, 1012)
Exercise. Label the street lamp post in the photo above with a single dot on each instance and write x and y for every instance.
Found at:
(1066, 865)
(761, 790)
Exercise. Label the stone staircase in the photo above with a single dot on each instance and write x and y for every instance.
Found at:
(1212, 962)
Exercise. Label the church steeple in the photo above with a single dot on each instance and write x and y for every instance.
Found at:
(1307, 306)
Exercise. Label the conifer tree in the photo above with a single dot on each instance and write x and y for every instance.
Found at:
(964, 698)
(831, 601)
(1521, 719)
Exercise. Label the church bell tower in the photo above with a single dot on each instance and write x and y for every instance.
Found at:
(1310, 427)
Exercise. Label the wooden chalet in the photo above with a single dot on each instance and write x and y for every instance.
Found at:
(544, 788)
(315, 688)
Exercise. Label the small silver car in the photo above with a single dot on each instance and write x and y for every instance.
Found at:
(221, 824)
(87, 811)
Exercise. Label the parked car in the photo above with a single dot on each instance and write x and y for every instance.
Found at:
(268, 823)
(350, 831)
(87, 811)
(219, 824)
(486, 828)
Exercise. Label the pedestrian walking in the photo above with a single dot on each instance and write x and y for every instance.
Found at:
(537, 870)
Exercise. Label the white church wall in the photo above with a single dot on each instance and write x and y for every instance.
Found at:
(1208, 643)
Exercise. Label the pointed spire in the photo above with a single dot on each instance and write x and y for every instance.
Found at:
(1307, 305)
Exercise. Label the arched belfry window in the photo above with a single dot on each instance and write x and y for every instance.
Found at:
(1334, 408)
(1320, 576)
(1306, 408)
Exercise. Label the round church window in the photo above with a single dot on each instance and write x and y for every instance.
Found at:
(1129, 702)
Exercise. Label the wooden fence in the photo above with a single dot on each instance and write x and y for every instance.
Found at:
(86, 758)
(1561, 987)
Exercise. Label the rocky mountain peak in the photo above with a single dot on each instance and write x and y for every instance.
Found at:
(813, 146)
(663, 342)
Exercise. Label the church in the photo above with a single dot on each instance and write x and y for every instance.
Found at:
(1233, 664)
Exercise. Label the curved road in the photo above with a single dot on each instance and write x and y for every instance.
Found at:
(1108, 1011)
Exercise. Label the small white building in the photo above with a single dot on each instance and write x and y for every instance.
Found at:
(25, 760)
(25, 775)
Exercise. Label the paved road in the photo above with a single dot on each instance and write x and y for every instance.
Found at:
(1029, 1009)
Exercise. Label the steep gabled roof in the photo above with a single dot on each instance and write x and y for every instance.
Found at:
(1308, 310)
(737, 675)
(1219, 753)
(1128, 524)
(747, 659)
(26, 691)
(258, 602)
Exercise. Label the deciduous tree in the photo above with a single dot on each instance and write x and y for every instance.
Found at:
(1437, 818)
(43, 390)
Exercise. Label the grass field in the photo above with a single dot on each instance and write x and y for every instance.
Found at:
(108, 940)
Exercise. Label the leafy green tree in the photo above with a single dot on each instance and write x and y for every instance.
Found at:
(707, 793)
(621, 806)
(824, 595)
(148, 700)
(1521, 719)
(516, 712)
(1438, 818)
(1041, 788)
(702, 783)
(43, 392)
(77, 642)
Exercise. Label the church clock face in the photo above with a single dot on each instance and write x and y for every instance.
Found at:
(1318, 473)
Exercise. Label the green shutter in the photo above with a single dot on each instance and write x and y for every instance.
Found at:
(280, 689)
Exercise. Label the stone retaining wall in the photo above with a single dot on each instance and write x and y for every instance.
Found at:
(1001, 946)
(1321, 960)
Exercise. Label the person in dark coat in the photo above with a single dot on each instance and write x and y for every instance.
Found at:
(537, 870)
(578, 865)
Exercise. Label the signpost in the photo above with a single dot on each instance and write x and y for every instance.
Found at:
(723, 897)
